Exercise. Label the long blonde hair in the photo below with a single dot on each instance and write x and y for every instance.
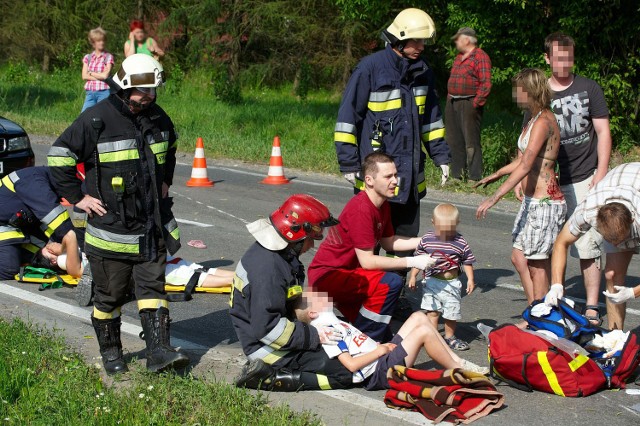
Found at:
(534, 81)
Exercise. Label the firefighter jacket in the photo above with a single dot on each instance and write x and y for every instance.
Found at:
(390, 105)
(266, 286)
(31, 213)
(127, 158)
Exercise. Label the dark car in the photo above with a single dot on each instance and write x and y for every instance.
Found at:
(15, 148)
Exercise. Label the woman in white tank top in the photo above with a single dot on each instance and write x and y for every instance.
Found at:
(543, 208)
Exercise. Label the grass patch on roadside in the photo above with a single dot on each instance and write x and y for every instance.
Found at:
(47, 104)
(43, 382)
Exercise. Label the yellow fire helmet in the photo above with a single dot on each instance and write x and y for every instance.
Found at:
(411, 24)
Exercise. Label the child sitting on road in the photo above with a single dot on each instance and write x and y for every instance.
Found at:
(368, 360)
(442, 288)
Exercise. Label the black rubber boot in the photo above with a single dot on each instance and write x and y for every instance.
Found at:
(160, 354)
(259, 375)
(108, 333)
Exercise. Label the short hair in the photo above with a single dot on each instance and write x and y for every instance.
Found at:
(614, 221)
(97, 34)
(446, 211)
(371, 161)
(40, 261)
(473, 40)
(136, 24)
(534, 81)
(559, 37)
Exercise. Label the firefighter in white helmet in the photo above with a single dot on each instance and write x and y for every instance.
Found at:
(128, 144)
(390, 105)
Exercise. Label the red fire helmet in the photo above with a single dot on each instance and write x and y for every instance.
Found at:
(302, 216)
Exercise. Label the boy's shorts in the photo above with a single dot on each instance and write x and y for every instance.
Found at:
(589, 245)
(537, 226)
(442, 296)
(378, 380)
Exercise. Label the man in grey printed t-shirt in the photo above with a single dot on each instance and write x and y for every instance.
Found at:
(585, 148)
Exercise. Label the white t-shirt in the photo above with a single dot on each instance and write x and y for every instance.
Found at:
(354, 341)
(178, 271)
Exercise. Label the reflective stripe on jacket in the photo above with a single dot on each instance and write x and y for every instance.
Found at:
(31, 192)
(390, 105)
(127, 159)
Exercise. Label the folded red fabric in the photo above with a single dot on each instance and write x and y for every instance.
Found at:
(455, 396)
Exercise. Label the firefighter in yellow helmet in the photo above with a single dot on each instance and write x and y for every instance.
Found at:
(128, 144)
(390, 105)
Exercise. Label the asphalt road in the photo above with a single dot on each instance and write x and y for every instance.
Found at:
(218, 216)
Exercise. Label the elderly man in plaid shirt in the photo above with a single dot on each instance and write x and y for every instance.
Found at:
(612, 207)
(468, 88)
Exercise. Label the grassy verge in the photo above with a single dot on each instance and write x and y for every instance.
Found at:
(47, 104)
(43, 382)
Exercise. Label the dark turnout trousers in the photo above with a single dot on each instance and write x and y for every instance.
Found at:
(462, 127)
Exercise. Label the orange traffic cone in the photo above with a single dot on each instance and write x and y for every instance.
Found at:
(275, 176)
(199, 170)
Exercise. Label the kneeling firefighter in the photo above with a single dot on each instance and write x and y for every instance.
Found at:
(128, 144)
(284, 354)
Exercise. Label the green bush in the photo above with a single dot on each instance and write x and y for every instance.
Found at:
(225, 88)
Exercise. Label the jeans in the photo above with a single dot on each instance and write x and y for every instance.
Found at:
(93, 97)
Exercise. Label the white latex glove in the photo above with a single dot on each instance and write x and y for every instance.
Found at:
(623, 294)
(422, 262)
(329, 335)
(351, 178)
(555, 292)
(445, 174)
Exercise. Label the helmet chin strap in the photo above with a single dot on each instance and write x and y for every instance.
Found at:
(297, 247)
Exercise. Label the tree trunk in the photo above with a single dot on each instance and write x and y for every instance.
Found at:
(46, 60)
(140, 14)
(348, 56)
(236, 36)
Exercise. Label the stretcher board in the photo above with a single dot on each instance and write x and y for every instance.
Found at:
(213, 290)
(72, 281)
(66, 279)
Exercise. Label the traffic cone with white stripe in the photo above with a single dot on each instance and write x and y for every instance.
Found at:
(275, 176)
(199, 170)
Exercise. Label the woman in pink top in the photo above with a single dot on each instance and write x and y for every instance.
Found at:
(96, 67)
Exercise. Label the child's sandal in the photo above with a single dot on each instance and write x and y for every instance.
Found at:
(457, 344)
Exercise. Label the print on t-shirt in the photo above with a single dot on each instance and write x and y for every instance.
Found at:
(572, 113)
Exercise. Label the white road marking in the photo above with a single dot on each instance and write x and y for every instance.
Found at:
(517, 287)
(229, 214)
(84, 315)
(212, 208)
(194, 223)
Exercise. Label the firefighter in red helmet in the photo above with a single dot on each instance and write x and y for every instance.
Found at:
(283, 353)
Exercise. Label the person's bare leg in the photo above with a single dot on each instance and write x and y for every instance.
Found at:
(615, 271)
(540, 270)
(417, 333)
(449, 328)
(591, 276)
(216, 281)
(522, 267)
(433, 318)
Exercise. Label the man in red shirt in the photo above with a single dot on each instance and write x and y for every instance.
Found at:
(468, 88)
(345, 267)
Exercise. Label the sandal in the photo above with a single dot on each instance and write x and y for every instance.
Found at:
(457, 344)
(593, 319)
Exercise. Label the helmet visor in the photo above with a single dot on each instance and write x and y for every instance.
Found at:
(147, 78)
